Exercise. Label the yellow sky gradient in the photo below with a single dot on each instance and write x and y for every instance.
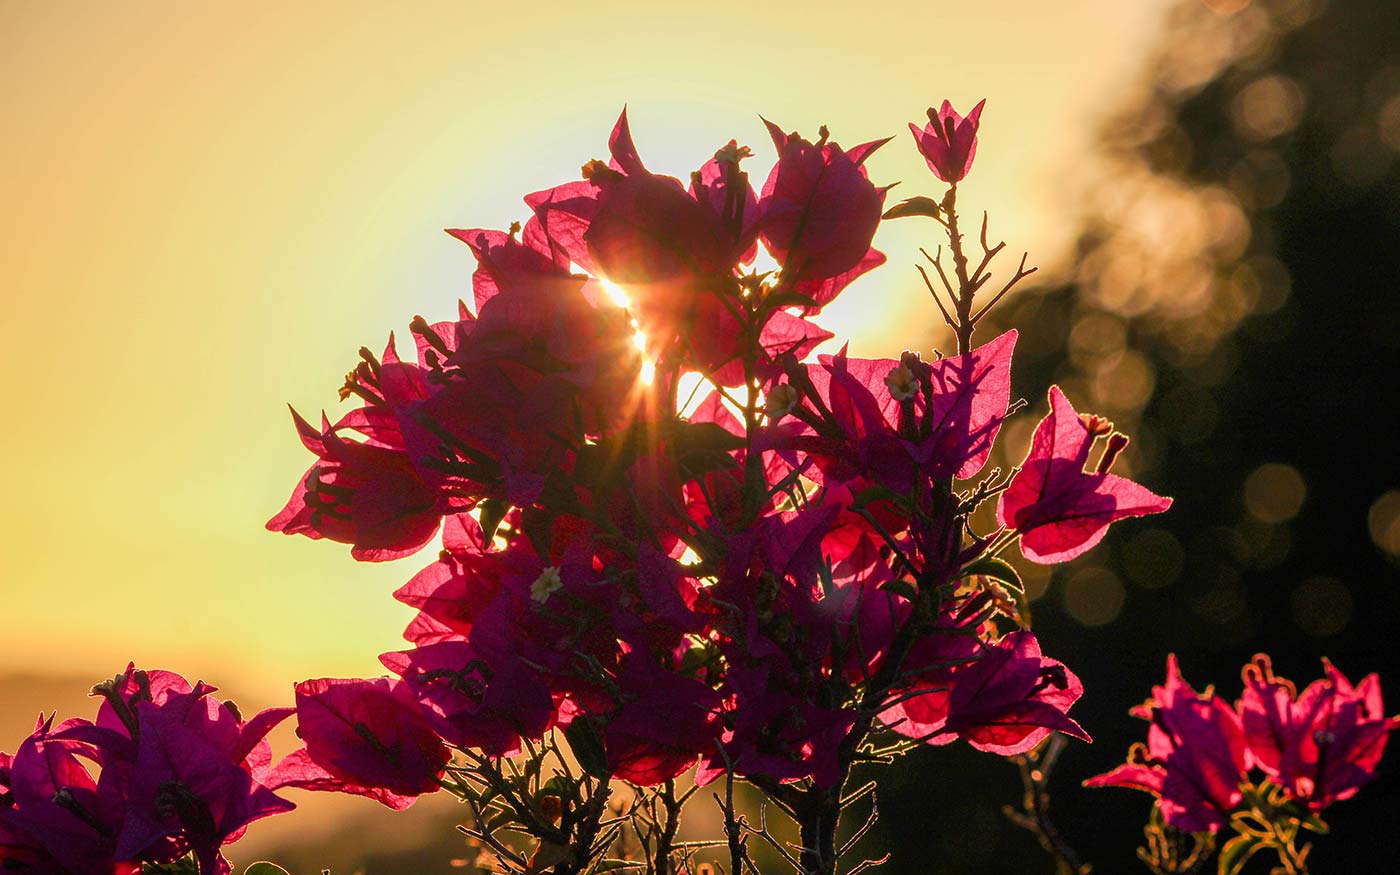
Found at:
(208, 209)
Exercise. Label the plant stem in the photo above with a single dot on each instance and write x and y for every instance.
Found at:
(966, 289)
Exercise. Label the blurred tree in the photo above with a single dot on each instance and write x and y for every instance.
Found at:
(1234, 304)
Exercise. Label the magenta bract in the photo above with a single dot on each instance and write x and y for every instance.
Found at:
(1195, 758)
(367, 737)
(178, 772)
(819, 208)
(1011, 698)
(949, 142)
(363, 494)
(1322, 745)
(487, 701)
(1060, 508)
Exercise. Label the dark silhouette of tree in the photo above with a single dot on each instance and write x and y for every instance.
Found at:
(1233, 302)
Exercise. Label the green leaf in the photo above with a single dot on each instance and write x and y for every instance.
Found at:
(871, 494)
(614, 865)
(914, 206)
(901, 587)
(265, 868)
(990, 566)
(1236, 853)
(492, 512)
(1005, 572)
(588, 748)
(561, 786)
(702, 447)
(691, 436)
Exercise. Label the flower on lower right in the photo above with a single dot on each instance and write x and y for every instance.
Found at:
(1264, 765)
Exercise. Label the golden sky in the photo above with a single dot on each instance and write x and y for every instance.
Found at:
(209, 208)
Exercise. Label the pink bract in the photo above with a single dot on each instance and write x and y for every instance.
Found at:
(1195, 758)
(949, 141)
(1059, 508)
(366, 737)
(1322, 745)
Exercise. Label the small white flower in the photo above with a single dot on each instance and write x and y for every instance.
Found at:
(781, 401)
(546, 585)
(902, 384)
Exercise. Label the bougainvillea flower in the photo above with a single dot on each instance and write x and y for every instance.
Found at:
(966, 408)
(127, 690)
(366, 737)
(943, 424)
(820, 209)
(475, 700)
(503, 261)
(1323, 745)
(949, 142)
(775, 734)
(58, 807)
(667, 597)
(457, 587)
(787, 546)
(724, 189)
(663, 723)
(853, 544)
(21, 853)
(536, 348)
(186, 766)
(715, 499)
(188, 788)
(1011, 698)
(672, 249)
(368, 496)
(1194, 760)
(553, 612)
(715, 352)
(934, 660)
(1059, 508)
(649, 230)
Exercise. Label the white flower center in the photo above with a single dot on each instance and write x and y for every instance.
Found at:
(902, 384)
(780, 401)
(546, 585)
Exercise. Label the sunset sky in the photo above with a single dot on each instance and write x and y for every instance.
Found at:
(209, 209)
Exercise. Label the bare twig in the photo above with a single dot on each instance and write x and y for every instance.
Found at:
(869, 824)
(1035, 814)
(1021, 273)
(868, 864)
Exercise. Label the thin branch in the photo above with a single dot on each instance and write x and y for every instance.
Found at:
(1021, 273)
(865, 827)
(1035, 803)
(947, 317)
(868, 864)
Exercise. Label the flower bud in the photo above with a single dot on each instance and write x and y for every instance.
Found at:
(781, 401)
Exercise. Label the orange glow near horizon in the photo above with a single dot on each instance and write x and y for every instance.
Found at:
(210, 209)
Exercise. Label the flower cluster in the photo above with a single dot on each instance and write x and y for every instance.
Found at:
(675, 538)
(1312, 748)
(164, 771)
(754, 581)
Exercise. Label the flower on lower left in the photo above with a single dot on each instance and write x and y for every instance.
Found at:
(165, 771)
